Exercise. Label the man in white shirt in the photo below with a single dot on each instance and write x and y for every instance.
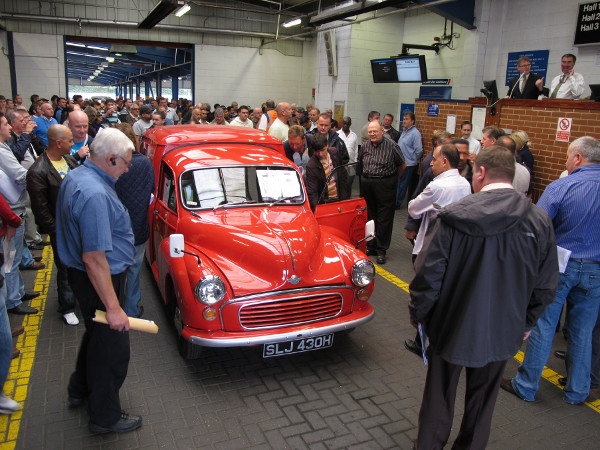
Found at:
(242, 118)
(447, 187)
(280, 128)
(313, 115)
(474, 146)
(349, 138)
(569, 84)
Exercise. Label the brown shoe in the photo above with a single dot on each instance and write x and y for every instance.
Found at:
(15, 352)
(15, 331)
(594, 395)
(506, 384)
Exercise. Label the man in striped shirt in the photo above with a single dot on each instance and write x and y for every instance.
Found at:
(573, 203)
(380, 163)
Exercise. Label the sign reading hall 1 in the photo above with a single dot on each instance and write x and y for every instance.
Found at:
(588, 24)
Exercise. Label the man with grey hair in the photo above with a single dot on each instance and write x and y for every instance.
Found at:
(573, 204)
(280, 128)
(96, 243)
(219, 117)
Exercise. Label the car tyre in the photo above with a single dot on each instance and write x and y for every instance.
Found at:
(186, 349)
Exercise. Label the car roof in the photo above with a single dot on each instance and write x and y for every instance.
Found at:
(188, 134)
(191, 146)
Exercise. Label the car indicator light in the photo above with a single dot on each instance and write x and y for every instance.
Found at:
(363, 294)
(209, 313)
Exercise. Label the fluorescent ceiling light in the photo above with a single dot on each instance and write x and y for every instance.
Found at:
(98, 48)
(292, 23)
(75, 45)
(110, 59)
(181, 11)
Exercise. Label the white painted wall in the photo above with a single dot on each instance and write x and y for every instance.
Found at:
(39, 65)
(5, 88)
(224, 74)
(540, 25)
(374, 39)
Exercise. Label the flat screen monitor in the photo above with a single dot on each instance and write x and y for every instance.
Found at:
(411, 69)
(490, 90)
(595, 95)
(384, 71)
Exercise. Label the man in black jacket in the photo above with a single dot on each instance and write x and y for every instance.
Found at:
(323, 162)
(43, 183)
(333, 139)
(527, 85)
(488, 269)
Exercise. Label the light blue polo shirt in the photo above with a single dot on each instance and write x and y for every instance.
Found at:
(90, 217)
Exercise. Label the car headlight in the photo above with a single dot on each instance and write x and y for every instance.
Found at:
(363, 272)
(210, 290)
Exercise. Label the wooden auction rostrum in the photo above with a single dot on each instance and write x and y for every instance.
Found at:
(147, 326)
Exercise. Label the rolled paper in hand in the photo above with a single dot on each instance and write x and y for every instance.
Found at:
(147, 326)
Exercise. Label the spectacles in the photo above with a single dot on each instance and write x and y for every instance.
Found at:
(128, 163)
(525, 65)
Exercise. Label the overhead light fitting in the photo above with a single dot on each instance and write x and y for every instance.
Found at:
(110, 59)
(181, 11)
(292, 23)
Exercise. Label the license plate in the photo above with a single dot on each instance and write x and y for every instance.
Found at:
(298, 346)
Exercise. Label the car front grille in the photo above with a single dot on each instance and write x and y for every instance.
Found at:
(290, 311)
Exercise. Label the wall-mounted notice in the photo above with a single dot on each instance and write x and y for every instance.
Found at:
(563, 129)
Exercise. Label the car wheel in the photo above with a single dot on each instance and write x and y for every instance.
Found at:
(186, 349)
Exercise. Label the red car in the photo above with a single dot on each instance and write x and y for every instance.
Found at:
(238, 256)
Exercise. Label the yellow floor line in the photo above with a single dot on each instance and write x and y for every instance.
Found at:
(20, 369)
(547, 373)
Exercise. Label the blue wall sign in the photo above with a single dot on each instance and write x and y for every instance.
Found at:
(433, 109)
(539, 63)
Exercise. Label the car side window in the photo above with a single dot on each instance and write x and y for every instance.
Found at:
(167, 195)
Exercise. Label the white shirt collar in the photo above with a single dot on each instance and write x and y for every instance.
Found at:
(493, 186)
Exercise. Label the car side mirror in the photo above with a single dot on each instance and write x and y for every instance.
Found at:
(176, 245)
(369, 230)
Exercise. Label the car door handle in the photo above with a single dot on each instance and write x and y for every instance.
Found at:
(361, 209)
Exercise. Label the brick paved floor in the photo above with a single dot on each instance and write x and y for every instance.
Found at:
(363, 393)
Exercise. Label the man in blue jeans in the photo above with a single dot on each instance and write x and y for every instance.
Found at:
(573, 203)
(411, 144)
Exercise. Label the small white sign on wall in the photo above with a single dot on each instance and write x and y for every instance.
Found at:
(563, 129)
(451, 123)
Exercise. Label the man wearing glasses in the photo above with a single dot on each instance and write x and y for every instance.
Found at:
(96, 244)
(527, 85)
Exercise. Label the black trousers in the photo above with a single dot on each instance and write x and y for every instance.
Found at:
(103, 357)
(380, 195)
(66, 298)
(437, 408)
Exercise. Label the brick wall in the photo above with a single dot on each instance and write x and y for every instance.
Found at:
(538, 118)
(427, 124)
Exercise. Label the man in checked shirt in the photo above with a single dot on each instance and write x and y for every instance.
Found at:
(380, 163)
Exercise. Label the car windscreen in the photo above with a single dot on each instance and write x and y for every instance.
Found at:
(239, 185)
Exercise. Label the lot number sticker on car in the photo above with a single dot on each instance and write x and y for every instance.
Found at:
(299, 346)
